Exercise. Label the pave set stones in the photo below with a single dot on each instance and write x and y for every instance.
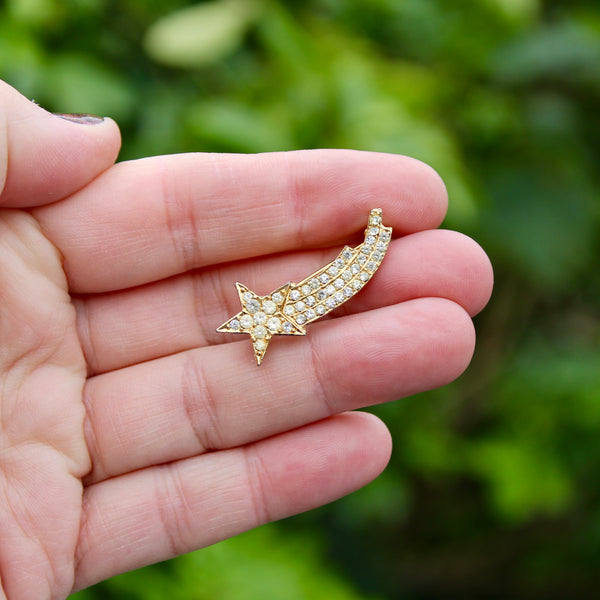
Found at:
(262, 317)
(292, 306)
(338, 281)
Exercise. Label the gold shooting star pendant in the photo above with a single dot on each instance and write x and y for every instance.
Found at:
(288, 309)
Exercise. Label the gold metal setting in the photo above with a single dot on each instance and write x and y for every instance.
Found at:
(288, 309)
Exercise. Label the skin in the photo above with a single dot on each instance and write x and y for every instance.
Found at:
(130, 431)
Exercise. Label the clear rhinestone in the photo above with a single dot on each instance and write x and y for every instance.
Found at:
(324, 278)
(310, 314)
(289, 310)
(246, 321)
(374, 231)
(247, 296)
(330, 302)
(364, 277)
(321, 295)
(347, 254)
(252, 306)
(295, 295)
(287, 327)
(355, 269)
(300, 319)
(385, 236)
(300, 306)
(375, 220)
(381, 246)
(314, 283)
(339, 283)
(370, 239)
(371, 266)
(321, 310)
(306, 289)
(362, 259)
(329, 290)
(260, 318)
(310, 301)
(346, 276)
(366, 249)
(339, 263)
(234, 324)
(277, 298)
(269, 307)
(339, 297)
(333, 271)
(357, 284)
(274, 324)
(348, 292)
(260, 332)
(377, 256)
(260, 345)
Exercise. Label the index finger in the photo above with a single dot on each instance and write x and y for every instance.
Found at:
(150, 219)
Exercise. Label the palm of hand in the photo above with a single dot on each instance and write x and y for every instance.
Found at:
(43, 454)
(130, 432)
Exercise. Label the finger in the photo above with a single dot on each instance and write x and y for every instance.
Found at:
(154, 218)
(43, 157)
(216, 397)
(158, 513)
(145, 323)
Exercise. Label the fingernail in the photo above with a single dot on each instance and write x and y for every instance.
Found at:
(81, 118)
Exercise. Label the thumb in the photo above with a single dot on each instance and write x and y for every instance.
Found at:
(45, 157)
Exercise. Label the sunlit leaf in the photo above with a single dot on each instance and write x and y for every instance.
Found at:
(202, 34)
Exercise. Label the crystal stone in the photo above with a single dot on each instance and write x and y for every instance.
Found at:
(321, 310)
(370, 239)
(300, 306)
(260, 332)
(333, 270)
(289, 310)
(246, 321)
(339, 263)
(310, 314)
(339, 297)
(277, 298)
(306, 289)
(314, 283)
(252, 306)
(260, 318)
(346, 276)
(310, 301)
(339, 283)
(347, 254)
(330, 302)
(247, 296)
(324, 278)
(274, 324)
(295, 295)
(269, 307)
(287, 327)
(301, 319)
(234, 324)
(260, 345)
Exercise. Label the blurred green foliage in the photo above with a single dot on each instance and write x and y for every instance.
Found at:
(494, 486)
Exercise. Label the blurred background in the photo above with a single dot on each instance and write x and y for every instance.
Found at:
(493, 490)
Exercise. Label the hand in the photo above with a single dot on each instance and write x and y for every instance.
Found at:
(130, 431)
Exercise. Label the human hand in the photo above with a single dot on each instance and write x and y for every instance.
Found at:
(130, 431)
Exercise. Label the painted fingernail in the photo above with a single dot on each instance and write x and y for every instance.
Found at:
(81, 118)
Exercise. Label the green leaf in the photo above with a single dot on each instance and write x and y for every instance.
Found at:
(200, 35)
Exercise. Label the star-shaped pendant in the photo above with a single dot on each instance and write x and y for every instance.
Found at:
(262, 317)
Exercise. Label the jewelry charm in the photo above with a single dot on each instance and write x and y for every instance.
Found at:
(288, 309)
